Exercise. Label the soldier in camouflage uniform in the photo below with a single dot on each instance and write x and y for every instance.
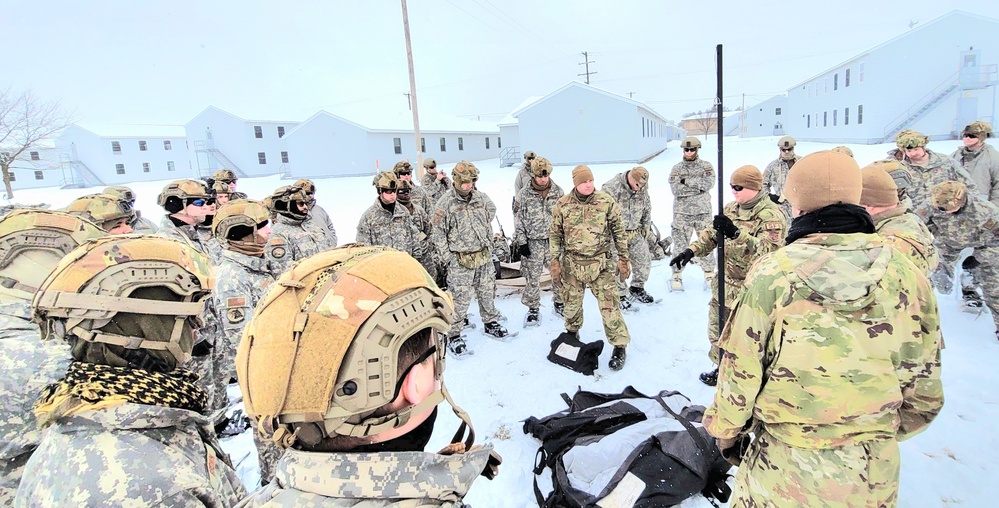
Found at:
(418, 196)
(125, 426)
(532, 220)
(221, 192)
(586, 225)
(243, 277)
(826, 409)
(435, 183)
(188, 203)
(317, 214)
(28, 363)
(463, 234)
(903, 230)
(424, 229)
(691, 180)
(387, 222)
(776, 173)
(228, 177)
(105, 210)
(355, 440)
(981, 160)
(753, 226)
(631, 191)
(524, 176)
(293, 236)
(125, 194)
(966, 220)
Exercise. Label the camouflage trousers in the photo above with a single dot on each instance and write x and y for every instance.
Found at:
(464, 283)
(268, 454)
(641, 262)
(987, 274)
(531, 267)
(774, 474)
(11, 471)
(427, 260)
(686, 227)
(943, 276)
(733, 289)
(599, 275)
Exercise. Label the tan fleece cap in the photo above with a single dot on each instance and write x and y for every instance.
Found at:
(748, 177)
(581, 174)
(822, 179)
(879, 188)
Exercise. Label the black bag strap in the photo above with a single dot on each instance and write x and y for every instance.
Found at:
(698, 439)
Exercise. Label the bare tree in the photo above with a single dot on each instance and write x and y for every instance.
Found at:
(706, 123)
(25, 121)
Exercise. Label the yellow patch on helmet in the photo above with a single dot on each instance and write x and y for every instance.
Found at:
(333, 305)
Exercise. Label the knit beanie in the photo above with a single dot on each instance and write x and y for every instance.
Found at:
(822, 179)
(748, 177)
(581, 174)
(879, 187)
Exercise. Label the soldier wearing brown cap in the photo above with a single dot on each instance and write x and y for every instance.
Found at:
(892, 220)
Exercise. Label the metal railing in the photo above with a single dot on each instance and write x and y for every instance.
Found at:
(921, 106)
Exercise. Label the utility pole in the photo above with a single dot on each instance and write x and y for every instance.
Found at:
(412, 91)
(409, 101)
(586, 61)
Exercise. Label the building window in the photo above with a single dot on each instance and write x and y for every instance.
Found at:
(860, 73)
(258, 132)
(142, 146)
(167, 145)
(499, 142)
(34, 156)
(397, 143)
(443, 145)
(116, 147)
(145, 167)
(846, 78)
(39, 175)
(461, 144)
(809, 121)
(261, 158)
(825, 118)
(836, 81)
(119, 168)
(643, 127)
(12, 177)
(423, 145)
(280, 131)
(860, 114)
(777, 111)
(284, 157)
(171, 166)
(846, 116)
(825, 85)
(487, 142)
(835, 111)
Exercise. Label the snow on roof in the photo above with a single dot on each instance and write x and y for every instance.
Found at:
(577, 84)
(134, 130)
(509, 119)
(380, 116)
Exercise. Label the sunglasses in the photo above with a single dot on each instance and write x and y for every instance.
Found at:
(737, 188)
(530, 158)
(404, 173)
(388, 191)
(787, 149)
(227, 182)
(202, 202)
(689, 149)
(432, 166)
(970, 135)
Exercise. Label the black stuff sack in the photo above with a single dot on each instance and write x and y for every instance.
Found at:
(569, 352)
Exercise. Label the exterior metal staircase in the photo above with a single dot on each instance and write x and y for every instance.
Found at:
(79, 175)
(216, 155)
(509, 156)
(921, 107)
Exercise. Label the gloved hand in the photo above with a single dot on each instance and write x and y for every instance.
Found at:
(623, 269)
(556, 270)
(202, 348)
(683, 181)
(682, 259)
(725, 225)
(732, 449)
(775, 198)
(524, 250)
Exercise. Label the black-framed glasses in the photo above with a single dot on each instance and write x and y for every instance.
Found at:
(530, 158)
(202, 201)
(737, 188)
(970, 135)
(404, 173)
(689, 150)
(404, 190)
(432, 166)
(785, 150)
(387, 191)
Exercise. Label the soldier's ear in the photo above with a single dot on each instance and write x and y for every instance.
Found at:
(420, 382)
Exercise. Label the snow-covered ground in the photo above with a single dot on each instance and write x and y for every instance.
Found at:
(505, 382)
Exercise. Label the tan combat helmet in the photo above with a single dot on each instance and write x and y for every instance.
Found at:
(239, 219)
(528, 155)
(96, 281)
(321, 354)
(176, 195)
(464, 172)
(540, 166)
(429, 163)
(306, 185)
(691, 142)
(908, 138)
(402, 167)
(979, 129)
(950, 195)
(385, 180)
(105, 210)
(121, 192)
(284, 201)
(226, 176)
(32, 242)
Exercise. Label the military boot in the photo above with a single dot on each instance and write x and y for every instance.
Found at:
(676, 284)
(493, 328)
(639, 295)
(710, 378)
(618, 357)
(708, 279)
(533, 318)
(625, 304)
(558, 308)
(456, 345)
(971, 298)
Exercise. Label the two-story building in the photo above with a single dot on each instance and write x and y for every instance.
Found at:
(99, 155)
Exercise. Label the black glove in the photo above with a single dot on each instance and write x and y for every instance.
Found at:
(775, 198)
(723, 224)
(682, 259)
(202, 348)
(524, 250)
(683, 181)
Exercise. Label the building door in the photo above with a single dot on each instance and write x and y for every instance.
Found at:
(967, 112)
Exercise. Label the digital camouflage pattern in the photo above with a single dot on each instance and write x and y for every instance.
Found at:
(319, 217)
(425, 231)
(582, 234)
(293, 239)
(938, 169)
(636, 212)
(130, 455)
(683, 228)
(983, 166)
(434, 188)
(142, 225)
(212, 244)
(395, 228)
(762, 229)
(532, 221)
(799, 364)
(773, 181)
(371, 480)
(909, 235)
(522, 180)
(691, 183)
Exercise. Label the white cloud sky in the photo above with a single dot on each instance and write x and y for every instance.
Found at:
(163, 62)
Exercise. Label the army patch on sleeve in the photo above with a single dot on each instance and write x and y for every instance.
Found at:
(235, 314)
(278, 252)
(990, 224)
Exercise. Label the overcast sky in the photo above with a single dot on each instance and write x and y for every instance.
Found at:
(157, 61)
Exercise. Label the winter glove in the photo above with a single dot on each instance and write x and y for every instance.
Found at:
(775, 198)
(725, 225)
(623, 269)
(555, 268)
(682, 259)
(524, 250)
(683, 181)
(202, 348)
(732, 449)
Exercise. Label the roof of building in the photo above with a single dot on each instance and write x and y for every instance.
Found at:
(509, 119)
(576, 84)
(384, 118)
(134, 130)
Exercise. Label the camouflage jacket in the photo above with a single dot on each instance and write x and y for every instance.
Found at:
(241, 282)
(636, 207)
(143, 225)
(775, 175)
(587, 228)
(395, 229)
(421, 220)
(938, 169)
(532, 218)
(130, 455)
(909, 235)
(319, 217)
(975, 225)
(523, 179)
(211, 243)
(212, 328)
(292, 240)
(463, 226)
(762, 228)
(388, 479)
(28, 365)
(983, 166)
(434, 189)
(834, 341)
(691, 183)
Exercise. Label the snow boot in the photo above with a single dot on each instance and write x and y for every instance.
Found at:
(558, 308)
(710, 378)
(676, 284)
(233, 425)
(618, 357)
(625, 304)
(493, 328)
(468, 325)
(971, 298)
(456, 345)
(639, 295)
(533, 318)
